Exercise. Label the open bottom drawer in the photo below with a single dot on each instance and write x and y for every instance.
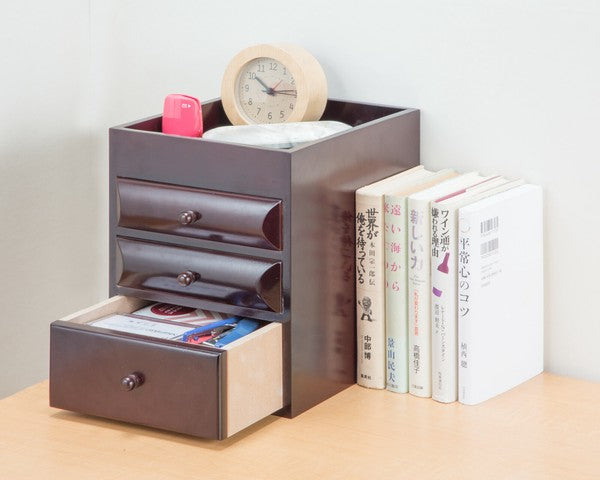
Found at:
(197, 390)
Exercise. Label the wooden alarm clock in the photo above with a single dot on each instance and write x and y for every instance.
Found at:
(273, 83)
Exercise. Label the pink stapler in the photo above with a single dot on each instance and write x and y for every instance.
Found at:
(182, 115)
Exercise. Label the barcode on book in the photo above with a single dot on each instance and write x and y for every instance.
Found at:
(489, 246)
(489, 225)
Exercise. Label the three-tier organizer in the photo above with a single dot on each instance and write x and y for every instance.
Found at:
(257, 232)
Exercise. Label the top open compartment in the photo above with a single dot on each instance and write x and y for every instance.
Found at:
(351, 113)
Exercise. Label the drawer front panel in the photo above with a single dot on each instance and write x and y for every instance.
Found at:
(180, 389)
(232, 279)
(204, 214)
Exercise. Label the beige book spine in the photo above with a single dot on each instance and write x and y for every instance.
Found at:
(370, 292)
(419, 286)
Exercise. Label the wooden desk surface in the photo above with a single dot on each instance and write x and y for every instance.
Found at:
(547, 428)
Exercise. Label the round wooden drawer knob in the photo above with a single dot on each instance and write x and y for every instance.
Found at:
(131, 381)
(185, 279)
(188, 217)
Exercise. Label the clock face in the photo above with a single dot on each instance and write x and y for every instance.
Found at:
(266, 91)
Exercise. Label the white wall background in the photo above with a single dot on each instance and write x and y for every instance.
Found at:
(507, 86)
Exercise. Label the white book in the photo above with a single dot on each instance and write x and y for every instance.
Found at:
(396, 280)
(500, 296)
(419, 280)
(444, 287)
(370, 277)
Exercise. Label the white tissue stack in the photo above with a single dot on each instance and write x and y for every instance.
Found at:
(276, 135)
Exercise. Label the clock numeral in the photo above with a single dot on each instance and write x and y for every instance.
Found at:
(291, 106)
(273, 66)
(260, 69)
(246, 88)
(292, 81)
(251, 75)
(284, 71)
(249, 101)
(270, 116)
(258, 112)
(281, 114)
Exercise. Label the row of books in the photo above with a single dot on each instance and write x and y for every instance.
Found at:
(449, 284)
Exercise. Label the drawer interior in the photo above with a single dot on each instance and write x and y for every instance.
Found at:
(125, 305)
(223, 390)
(119, 304)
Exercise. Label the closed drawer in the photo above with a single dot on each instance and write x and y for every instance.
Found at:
(204, 274)
(190, 389)
(204, 214)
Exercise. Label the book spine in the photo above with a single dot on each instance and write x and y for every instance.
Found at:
(370, 292)
(469, 280)
(444, 326)
(419, 302)
(396, 290)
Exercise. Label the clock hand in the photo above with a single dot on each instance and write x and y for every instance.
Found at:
(290, 92)
(268, 90)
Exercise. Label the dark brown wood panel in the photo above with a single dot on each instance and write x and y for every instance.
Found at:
(180, 390)
(231, 279)
(325, 176)
(199, 213)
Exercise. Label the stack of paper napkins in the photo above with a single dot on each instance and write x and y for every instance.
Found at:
(276, 135)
